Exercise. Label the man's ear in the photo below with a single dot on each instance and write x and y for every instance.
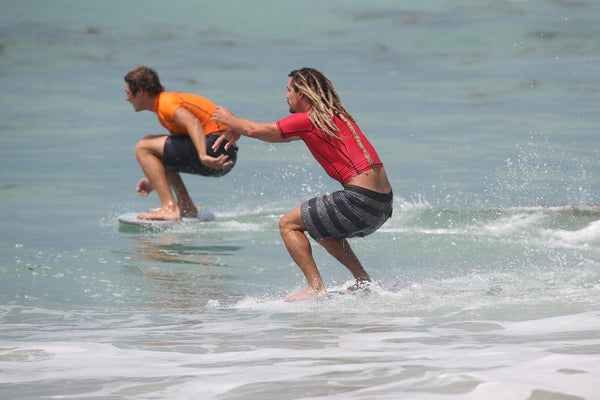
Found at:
(302, 98)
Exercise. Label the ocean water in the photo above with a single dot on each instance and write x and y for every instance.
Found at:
(486, 279)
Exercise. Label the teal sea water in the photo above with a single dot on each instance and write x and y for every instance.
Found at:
(487, 277)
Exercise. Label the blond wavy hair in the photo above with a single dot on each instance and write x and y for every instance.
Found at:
(325, 104)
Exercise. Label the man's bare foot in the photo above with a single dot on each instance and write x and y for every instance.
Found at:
(306, 294)
(144, 187)
(188, 210)
(359, 285)
(162, 214)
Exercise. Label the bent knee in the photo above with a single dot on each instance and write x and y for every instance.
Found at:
(139, 146)
(283, 223)
(292, 221)
(151, 144)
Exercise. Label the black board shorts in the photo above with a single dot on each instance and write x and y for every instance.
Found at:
(352, 212)
(180, 155)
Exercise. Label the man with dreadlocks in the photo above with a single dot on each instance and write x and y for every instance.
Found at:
(335, 140)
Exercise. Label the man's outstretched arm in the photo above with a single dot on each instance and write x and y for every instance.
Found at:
(266, 131)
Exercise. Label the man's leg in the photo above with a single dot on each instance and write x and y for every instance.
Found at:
(341, 250)
(292, 231)
(184, 201)
(149, 152)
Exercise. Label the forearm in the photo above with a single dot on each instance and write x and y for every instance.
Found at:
(243, 126)
(199, 141)
(194, 129)
(246, 127)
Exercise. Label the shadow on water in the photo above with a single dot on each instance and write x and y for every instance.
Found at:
(171, 247)
(176, 273)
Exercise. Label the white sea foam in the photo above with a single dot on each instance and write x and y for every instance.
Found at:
(368, 356)
(587, 237)
(512, 223)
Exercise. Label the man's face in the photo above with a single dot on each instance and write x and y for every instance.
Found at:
(134, 100)
(293, 98)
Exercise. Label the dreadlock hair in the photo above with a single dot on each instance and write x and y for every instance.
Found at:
(325, 103)
(144, 78)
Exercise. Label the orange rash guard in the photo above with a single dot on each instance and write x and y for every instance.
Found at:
(167, 103)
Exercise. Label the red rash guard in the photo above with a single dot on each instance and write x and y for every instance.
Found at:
(342, 158)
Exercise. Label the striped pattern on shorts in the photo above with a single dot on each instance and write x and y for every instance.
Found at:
(347, 213)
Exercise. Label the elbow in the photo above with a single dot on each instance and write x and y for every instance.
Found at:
(252, 132)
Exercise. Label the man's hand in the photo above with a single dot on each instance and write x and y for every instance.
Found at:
(222, 115)
(217, 163)
(229, 135)
(267, 131)
(144, 187)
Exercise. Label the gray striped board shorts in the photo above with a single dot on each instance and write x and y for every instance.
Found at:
(347, 213)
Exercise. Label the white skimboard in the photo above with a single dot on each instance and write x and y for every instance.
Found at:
(132, 219)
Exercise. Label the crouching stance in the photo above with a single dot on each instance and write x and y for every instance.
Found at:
(335, 140)
(189, 147)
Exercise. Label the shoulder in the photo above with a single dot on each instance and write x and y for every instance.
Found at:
(296, 117)
(171, 101)
(193, 102)
(193, 98)
(294, 124)
(166, 104)
(165, 99)
(181, 98)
